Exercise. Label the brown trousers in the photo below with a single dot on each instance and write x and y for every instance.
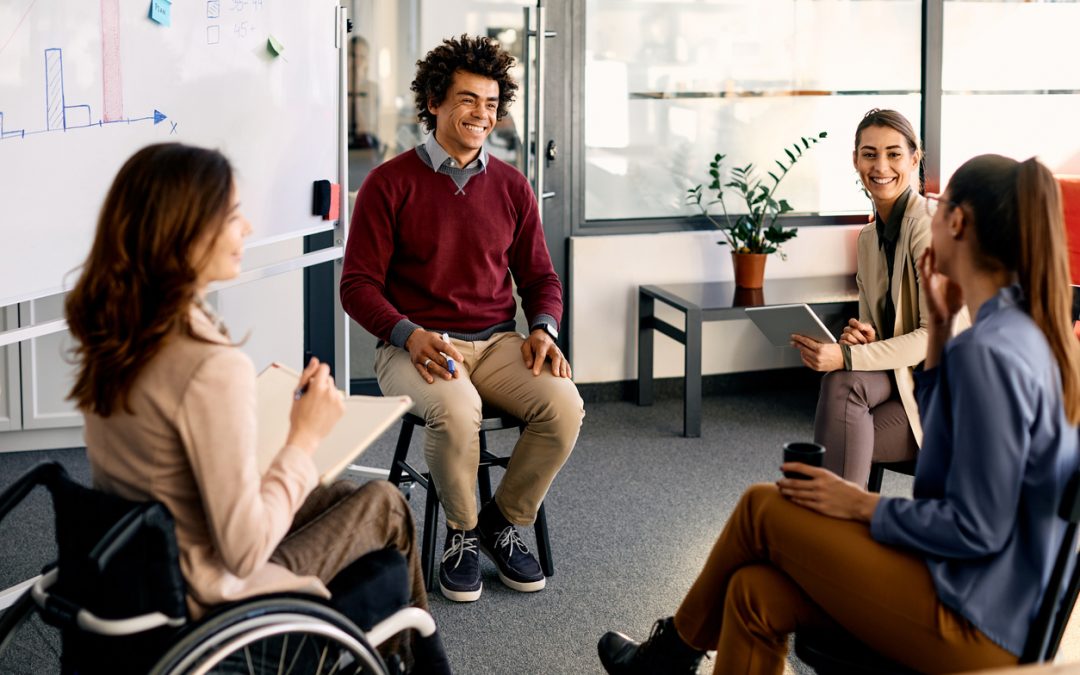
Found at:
(860, 420)
(338, 524)
(778, 567)
(493, 372)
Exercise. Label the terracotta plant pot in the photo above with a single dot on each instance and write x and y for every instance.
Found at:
(749, 269)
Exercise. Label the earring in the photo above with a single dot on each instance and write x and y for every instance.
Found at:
(955, 234)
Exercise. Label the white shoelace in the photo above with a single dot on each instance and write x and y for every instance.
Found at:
(459, 544)
(510, 538)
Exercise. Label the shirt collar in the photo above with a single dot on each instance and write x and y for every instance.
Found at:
(1008, 296)
(890, 230)
(439, 156)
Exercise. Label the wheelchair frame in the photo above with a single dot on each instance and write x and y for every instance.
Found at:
(242, 631)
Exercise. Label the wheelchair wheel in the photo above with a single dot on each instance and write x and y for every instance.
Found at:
(28, 645)
(288, 635)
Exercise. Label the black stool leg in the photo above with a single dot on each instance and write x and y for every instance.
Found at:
(431, 531)
(543, 544)
(483, 476)
(877, 473)
(404, 438)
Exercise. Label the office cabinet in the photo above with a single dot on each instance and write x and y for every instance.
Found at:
(10, 394)
(46, 370)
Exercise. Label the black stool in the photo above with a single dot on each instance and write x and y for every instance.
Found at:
(877, 472)
(492, 420)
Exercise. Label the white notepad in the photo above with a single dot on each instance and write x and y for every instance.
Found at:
(365, 419)
(780, 322)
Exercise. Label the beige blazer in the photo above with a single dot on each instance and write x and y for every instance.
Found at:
(907, 347)
(189, 442)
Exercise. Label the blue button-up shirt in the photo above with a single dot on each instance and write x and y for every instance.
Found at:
(997, 454)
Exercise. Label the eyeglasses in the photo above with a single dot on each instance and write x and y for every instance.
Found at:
(933, 202)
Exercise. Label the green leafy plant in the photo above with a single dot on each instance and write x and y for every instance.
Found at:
(755, 231)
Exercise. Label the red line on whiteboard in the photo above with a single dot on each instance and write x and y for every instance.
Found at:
(112, 92)
(27, 12)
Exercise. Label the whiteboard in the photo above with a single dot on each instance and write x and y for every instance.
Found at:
(86, 83)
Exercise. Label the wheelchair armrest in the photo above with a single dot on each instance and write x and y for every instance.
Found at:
(65, 611)
(42, 474)
(403, 619)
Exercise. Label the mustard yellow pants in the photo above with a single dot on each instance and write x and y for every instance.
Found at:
(778, 567)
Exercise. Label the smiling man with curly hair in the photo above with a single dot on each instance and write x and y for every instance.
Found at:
(439, 237)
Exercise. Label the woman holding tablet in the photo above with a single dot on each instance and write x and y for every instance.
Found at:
(949, 580)
(866, 409)
(169, 401)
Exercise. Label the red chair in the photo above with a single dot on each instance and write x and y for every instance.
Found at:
(1070, 202)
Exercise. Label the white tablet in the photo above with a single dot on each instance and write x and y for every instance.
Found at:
(780, 322)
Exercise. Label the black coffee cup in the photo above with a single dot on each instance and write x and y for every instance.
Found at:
(807, 453)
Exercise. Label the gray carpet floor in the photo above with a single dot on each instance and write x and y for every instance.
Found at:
(631, 518)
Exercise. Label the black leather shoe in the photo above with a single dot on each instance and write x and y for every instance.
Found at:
(664, 653)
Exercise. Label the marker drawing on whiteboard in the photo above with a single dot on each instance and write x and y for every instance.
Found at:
(63, 116)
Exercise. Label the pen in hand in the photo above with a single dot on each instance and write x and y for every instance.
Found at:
(449, 361)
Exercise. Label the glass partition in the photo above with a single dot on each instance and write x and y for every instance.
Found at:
(1011, 82)
(668, 85)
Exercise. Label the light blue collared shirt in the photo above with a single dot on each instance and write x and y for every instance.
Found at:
(997, 453)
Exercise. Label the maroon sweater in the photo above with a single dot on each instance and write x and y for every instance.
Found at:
(421, 254)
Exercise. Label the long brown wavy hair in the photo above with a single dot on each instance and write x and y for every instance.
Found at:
(1019, 225)
(138, 283)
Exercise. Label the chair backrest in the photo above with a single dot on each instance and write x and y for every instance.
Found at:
(1076, 310)
(1046, 630)
(117, 559)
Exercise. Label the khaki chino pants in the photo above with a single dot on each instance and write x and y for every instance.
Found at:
(778, 567)
(493, 371)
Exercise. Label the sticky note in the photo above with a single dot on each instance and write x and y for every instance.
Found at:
(273, 46)
(161, 12)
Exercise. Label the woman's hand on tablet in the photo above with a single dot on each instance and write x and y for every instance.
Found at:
(818, 356)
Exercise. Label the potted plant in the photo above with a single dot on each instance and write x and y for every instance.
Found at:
(755, 234)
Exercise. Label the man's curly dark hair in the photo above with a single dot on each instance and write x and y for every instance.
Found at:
(478, 55)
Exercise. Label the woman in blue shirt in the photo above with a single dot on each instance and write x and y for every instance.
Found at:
(950, 579)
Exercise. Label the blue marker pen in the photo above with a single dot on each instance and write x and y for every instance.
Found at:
(449, 361)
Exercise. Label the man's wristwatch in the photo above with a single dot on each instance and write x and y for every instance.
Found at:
(547, 328)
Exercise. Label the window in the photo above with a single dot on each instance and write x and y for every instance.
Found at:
(1010, 83)
(669, 84)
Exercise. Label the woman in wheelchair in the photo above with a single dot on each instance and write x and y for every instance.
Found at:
(169, 402)
(951, 579)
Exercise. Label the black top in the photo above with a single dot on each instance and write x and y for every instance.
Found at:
(888, 231)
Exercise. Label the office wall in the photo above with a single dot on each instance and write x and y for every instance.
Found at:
(605, 272)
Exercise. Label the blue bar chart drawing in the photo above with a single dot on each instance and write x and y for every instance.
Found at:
(61, 116)
(54, 89)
